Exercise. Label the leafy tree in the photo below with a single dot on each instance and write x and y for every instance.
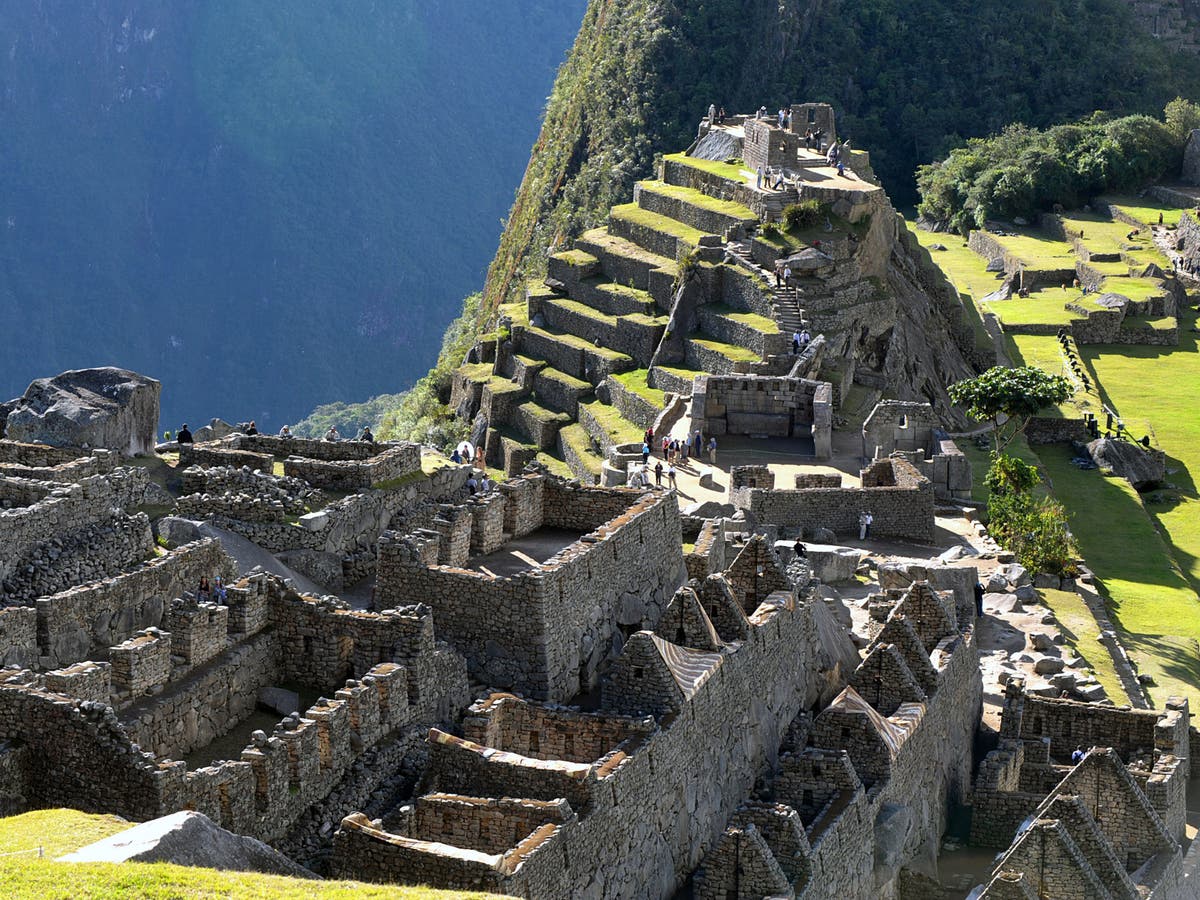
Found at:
(1182, 118)
(1009, 398)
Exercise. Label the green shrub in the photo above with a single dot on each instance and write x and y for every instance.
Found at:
(769, 229)
(1035, 531)
(805, 214)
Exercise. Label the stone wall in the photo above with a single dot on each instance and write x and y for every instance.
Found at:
(140, 665)
(223, 453)
(546, 631)
(349, 475)
(41, 467)
(770, 406)
(18, 637)
(653, 805)
(83, 622)
(902, 509)
(68, 509)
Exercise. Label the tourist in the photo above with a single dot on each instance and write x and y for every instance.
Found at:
(978, 598)
(252, 428)
(805, 339)
(799, 549)
(864, 524)
(473, 484)
(285, 432)
(204, 591)
(332, 434)
(666, 445)
(712, 113)
(648, 437)
(778, 274)
(645, 453)
(1077, 756)
(712, 451)
(762, 112)
(366, 435)
(808, 139)
(456, 457)
(780, 116)
(697, 442)
(721, 116)
(480, 461)
(658, 472)
(485, 484)
(683, 453)
(758, 178)
(1160, 219)
(841, 169)
(796, 343)
(787, 275)
(671, 477)
(779, 183)
(184, 436)
(218, 590)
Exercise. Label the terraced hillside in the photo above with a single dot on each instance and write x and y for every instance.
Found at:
(679, 283)
(1144, 548)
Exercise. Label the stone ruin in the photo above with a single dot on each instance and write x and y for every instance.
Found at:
(914, 431)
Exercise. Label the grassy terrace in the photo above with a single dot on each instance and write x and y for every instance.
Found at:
(1134, 288)
(635, 382)
(700, 200)
(576, 257)
(751, 320)
(729, 351)
(619, 246)
(631, 212)
(544, 415)
(583, 309)
(1044, 352)
(1079, 627)
(570, 381)
(555, 465)
(615, 425)
(61, 831)
(968, 273)
(571, 340)
(723, 169)
(1145, 209)
(1037, 250)
(576, 437)
(1044, 307)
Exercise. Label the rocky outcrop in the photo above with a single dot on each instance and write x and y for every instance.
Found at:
(1141, 466)
(189, 839)
(108, 408)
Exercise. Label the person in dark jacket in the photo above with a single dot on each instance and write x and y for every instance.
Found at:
(184, 436)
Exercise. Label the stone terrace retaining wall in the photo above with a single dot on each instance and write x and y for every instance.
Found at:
(346, 475)
(36, 455)
(83, 622)
(70, 508)
(99, 463)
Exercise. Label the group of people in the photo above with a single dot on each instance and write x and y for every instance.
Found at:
(836, 155)
(865, 520)
(716, 116)
(481, 485)
(800, 340)
(214, 592)
(641, 477)
(334, 435)
(463, 455)
(679, 449)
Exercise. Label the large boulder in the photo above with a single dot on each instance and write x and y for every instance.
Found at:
(189, 839)
(110, 408)
(213, 431)
(1141, 467)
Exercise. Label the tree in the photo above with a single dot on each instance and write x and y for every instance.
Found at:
(1182, 117)
(1009, 398)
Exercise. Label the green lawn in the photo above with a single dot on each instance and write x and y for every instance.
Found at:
(1044, 352)
(1133, 288)
(1079, 627)
(723, 169)
(615, 425)
(1044, 307)
(704, 201)
(1146, 209)
(1150, 600)
(61, 831)
(750, 320)
(631, 212)
(729, 351)
(635, 381)
(1037, 250)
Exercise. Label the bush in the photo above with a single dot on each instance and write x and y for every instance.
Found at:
(805, 214)
(1023, 171)
(769, 229)
(1035, 531)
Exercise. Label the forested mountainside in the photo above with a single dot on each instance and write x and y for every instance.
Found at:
(909, 79)
(266, 205)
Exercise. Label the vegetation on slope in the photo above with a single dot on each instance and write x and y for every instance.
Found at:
(1024, 171)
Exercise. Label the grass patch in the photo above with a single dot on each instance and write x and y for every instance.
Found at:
(713, 167)
(635, 382)
(1133, 288)
(696, 198)
(576, 258)
(1037, 250)
(1079, 627)
(1150, 601)
(751, 320)
(615, 425)
(544, 415)
(619, 246)
(400, 481)
(570, 381)
(1045, 307)
(62, 831)
(578, 343)
(643, 218)
(1158, 323)
(1043, 351)
(576, 437)
(729, 351)
(582, 309)
(555, 465)
(1146, 209)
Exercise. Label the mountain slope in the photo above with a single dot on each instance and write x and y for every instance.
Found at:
(909, 78)
(266, 206)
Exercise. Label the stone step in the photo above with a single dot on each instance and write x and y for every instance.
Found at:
(626, 263)
(691, 207)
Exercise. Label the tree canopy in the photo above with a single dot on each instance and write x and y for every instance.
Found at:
(1009, 398)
